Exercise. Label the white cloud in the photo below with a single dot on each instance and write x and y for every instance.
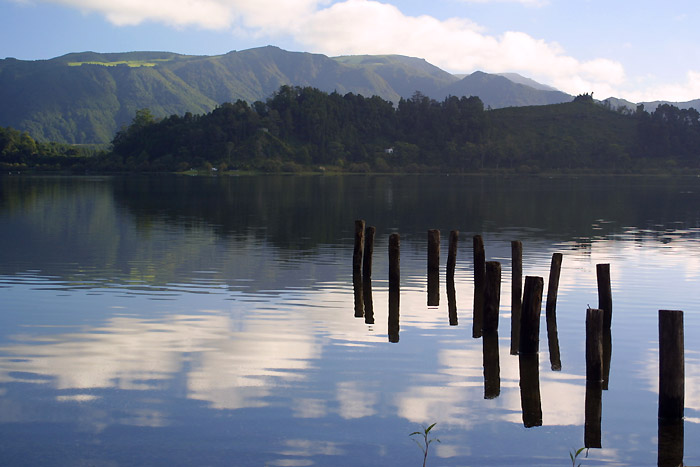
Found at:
(209, 14)
(355, 401)
(459, 45)
(534, 3)
(675, 92)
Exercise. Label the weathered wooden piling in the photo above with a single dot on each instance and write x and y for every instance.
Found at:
(452, 254)
(433, 250)
(594, 345)
(594, 374)
(433, 267)
(671, 365)
(367, 300)
(492, 367)
(592, 435)
(492, 296)
(530, 399)
(394, 291)
(530, 318)
(479, 274)
(369, 251)
(671, 444)
(605, 304)
(359, 247)
(604, 293)
(551, 312)
(516, 299)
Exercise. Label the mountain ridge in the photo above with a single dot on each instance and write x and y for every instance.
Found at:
(86, 97)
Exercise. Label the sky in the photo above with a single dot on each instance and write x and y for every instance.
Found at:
(641, 50)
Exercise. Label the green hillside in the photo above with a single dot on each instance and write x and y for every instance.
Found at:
(498, 91)
(572, 135)
(87, 97)
(407, 74)
(57, 102)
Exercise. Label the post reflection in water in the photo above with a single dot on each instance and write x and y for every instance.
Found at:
(607, 356)
(433, 288)
(393, 319)
(357, 287)
(452, 301)
(594, 411)
(670, 442)
(367, 299)
(530, 398)
(492, 369)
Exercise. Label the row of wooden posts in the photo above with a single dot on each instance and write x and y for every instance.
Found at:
(525, 323)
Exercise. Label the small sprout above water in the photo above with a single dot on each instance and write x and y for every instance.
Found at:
(424, 444)
(574, 455)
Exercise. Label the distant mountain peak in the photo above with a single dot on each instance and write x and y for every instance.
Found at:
(516, 78)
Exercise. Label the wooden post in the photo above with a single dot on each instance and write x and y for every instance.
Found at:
(369, 250)
(594, 375)
(451, 264)
(604, 293)
(594, 345)
(452, 254)
(492, 367)
(551, 310)
(433, 250)
(479, 273)
(433, 267)
(671, 365)
(516, 299)
(592, 436)
(605, 304)
(530, 399)
(359, 246)
(394, 291)
(530, 318)
(492, 296)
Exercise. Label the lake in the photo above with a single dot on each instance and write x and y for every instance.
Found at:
(173, 320)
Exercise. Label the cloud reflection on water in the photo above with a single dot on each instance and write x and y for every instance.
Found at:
(227, 369)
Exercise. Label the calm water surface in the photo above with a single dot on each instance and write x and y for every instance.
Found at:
(212, 321)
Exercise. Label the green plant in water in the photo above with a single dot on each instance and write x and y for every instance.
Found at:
(574, 455)
(424, 444)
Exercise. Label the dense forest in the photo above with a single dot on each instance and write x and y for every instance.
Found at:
(303, 128)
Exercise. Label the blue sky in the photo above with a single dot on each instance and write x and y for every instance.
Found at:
(643, 50)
